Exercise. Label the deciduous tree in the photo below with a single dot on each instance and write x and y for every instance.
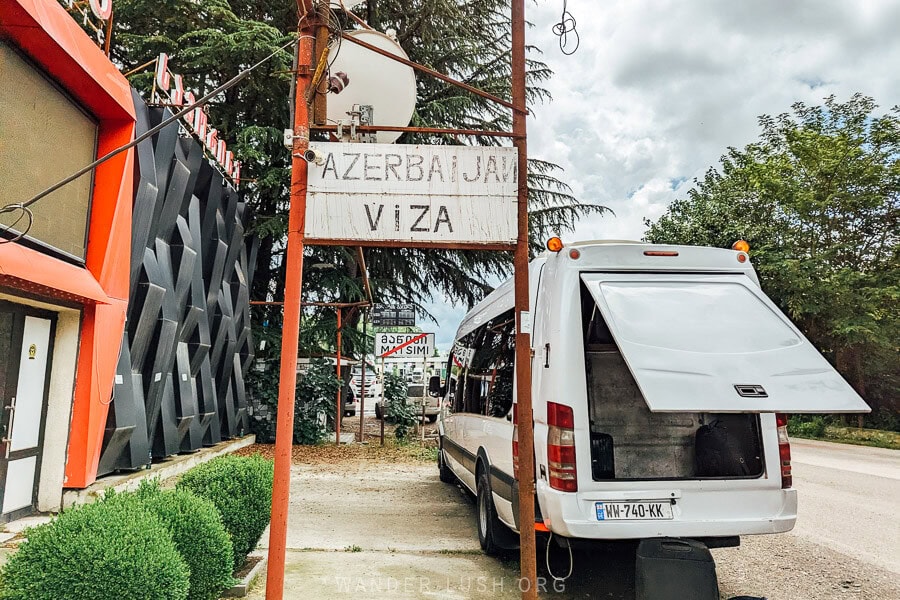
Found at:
(818, 199)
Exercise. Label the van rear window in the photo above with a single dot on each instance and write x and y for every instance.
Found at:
(714, 317)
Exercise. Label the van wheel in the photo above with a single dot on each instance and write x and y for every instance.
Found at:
(378, 413)
(446, 475)
(493, 535)
(432, 418)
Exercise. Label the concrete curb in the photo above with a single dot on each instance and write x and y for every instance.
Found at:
(165, 470)
(242, 588)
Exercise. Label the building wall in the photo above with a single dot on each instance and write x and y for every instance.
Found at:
(53, 43)
(187, 346)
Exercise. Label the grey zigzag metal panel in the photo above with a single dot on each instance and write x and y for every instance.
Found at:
(187, 344)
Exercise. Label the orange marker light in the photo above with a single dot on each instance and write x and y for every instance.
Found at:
(741, 246)
(554, 244)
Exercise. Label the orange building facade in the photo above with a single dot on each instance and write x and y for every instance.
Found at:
(83, 296)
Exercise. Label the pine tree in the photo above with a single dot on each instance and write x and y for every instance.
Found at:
(210, 41)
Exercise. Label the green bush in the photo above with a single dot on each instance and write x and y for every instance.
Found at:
(399, 409)
(812, 427)
(241, 489)
(100, 551)
(316, 401)
(199, 535)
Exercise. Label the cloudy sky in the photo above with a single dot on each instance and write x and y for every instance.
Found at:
(659, 89)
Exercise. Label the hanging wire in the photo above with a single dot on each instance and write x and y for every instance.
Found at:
(149, 133)
(571, 560)
(563, 28)
(4, 229)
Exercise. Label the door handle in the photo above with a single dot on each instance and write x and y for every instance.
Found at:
(7, 439)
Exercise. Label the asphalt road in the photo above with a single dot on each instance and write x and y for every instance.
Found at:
(847, 537)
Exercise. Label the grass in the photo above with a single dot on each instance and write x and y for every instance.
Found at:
(859, 437)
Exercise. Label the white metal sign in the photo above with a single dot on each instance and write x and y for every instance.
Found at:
(404, 345)
(408, 193)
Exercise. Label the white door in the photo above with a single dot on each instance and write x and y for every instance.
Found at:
(26, 341)
(715, 343)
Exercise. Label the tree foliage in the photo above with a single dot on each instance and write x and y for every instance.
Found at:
(210, 41)
(818, 199)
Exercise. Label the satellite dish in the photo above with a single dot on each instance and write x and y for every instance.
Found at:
(385, 84)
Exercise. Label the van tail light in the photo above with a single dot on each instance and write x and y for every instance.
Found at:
(515, 441)
(561, 447)
(784, 451)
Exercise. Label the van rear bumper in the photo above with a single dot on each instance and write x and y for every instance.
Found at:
(696, 514)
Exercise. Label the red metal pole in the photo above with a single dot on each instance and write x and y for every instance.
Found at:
(340, 411)
(362, 385)
(291, 332)
(527, 552)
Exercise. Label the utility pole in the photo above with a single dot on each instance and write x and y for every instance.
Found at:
(290, 340)
(527, 548)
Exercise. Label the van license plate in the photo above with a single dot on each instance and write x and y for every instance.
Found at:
(633, 511)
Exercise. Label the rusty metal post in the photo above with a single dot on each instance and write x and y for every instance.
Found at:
(383, 405)
(362, 385)
(527, 552)
(320, 99)
(291, 332)
(340, 409)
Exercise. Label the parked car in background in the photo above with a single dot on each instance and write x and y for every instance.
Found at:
(351, 401)
(373, 385)
(416, 395)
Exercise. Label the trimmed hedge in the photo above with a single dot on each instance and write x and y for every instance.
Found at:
(241, 489)
(199, 535)
(106, 550)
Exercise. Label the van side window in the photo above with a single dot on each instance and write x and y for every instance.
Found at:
(476, 385)
(489, 378)
(460, 359)
(503, 351)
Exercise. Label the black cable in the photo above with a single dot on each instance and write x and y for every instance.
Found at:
(563, 28)
(149, 133)
(26, 212)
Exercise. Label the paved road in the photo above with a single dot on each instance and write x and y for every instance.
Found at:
(850, 500)
(847, 537)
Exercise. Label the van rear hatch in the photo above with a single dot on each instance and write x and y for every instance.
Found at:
(715, 343)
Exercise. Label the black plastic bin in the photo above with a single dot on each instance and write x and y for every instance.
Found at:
(675, 569)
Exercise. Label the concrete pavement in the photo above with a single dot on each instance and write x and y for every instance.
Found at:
(382, 530)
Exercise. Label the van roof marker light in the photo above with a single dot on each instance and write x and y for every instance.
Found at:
(554, 244)
(574, 253)
(660, 253)
(741, 246)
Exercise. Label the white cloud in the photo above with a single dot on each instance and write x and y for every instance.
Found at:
(660, 89)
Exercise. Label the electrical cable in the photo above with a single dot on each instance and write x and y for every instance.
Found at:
(571, 560)
(563, 28)
(149, 133)
(26, 212)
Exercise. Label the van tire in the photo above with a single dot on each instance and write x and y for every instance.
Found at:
(445, 473)
(378, 413)
(432, 418)
(495, 537)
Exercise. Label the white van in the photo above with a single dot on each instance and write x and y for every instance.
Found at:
(657, 373)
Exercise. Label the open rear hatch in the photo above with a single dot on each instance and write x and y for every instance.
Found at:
(715, 343)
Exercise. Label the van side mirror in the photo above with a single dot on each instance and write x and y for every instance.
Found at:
(434, 385)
